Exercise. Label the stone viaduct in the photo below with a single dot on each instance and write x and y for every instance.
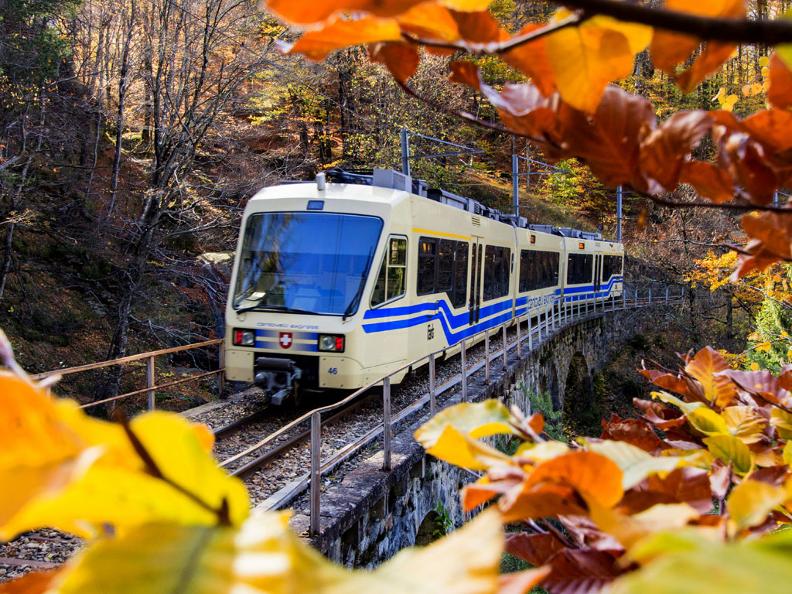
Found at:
(369, 514)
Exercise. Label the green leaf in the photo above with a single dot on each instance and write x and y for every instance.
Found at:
(732, 451)
(697, 566)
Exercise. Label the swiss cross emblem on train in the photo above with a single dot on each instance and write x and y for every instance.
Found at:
(285, 340)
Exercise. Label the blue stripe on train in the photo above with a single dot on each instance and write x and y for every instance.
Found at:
(440, 310)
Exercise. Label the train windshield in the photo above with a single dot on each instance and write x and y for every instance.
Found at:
(305, 262)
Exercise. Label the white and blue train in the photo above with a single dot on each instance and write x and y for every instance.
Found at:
(340, 282)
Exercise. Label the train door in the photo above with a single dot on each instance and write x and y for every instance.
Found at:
(597, 272)
(476, 267)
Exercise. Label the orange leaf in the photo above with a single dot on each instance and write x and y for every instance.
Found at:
(401, 59)
(709, 181)
(705, 367)
(532, 59)
(596, 477)
(32, 583)
(316, 45)
(521, 582)
(315, 11)
(711, 58)
(669, 49)
(779, 92)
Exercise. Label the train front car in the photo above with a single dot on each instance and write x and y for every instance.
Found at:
(301, 277)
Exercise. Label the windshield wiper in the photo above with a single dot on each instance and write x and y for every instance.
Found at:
(279, 308)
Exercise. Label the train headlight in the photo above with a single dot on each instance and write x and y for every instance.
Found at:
(244, 338)
(331, 343)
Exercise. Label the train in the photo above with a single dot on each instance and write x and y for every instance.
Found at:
(341, 281)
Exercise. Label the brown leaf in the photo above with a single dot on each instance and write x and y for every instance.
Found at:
(536, 549)
(668, 146)
(581, 572)
(609, 141)
(682, 485)
(773, 230)
(667, 381)
(479, 27)
(763, 384)
(660, 415)
(779, 92)
(709, 181)
(633, 431)
(401, 59)
(521, 107)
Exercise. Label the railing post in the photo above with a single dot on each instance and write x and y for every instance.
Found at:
(650, 296)
(463, 365)
(316, 471)
(624, 297)
(150, 383)
(486, 357)
(519, 339)
(666, 294)
(221, 373)
(505, 352)
(386, 423)
(432, 398)
(530, 332)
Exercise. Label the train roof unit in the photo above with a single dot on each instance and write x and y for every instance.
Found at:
(391, 179)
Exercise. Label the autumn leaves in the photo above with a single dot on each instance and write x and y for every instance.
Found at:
(568, 107)
(704, 465)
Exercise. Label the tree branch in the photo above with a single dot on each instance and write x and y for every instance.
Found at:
(502, 47)
(705, 28)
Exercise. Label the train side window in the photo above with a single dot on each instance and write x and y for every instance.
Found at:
(497, 261)
(580, 268)
(427, 255)
(538, 270)
(458, 294)
(392, 276)
(612, 265)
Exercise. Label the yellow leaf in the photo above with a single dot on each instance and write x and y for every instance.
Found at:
(628, 530)
(764, 347)
(703, 419)
(788, 453)
(782, 421)
(751, 501)
(764, 61)
(731, 450)
(264, 557)
(540, 452)
(80, 474)
(636, 464)
(745, 422)
(450, 435)
(588, 57)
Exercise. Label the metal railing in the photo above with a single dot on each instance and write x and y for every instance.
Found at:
(150, 358)
(561, 314)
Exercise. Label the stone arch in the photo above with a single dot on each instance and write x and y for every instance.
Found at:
(429, 530)
(581, 412)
